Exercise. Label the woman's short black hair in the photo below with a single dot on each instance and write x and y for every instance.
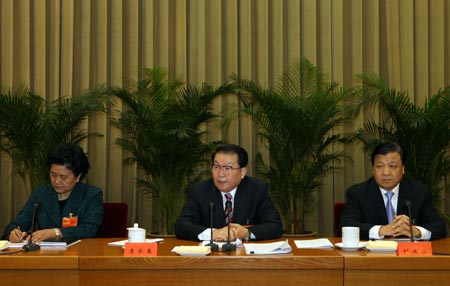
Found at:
(232, 149)
(70, 156)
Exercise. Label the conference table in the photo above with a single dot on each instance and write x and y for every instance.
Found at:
(372, 268)
(93, 262)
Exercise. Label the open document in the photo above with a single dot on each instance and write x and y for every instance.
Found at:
(314, 243)
(278, 247)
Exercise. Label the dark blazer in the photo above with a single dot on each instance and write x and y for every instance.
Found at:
(85, 202)
(252, 206)
(365, 207)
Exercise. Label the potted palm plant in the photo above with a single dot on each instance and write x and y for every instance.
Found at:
(30, 126)
(296, 118)
(422, 131)
(161, 126)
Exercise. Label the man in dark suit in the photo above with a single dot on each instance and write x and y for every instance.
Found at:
(253, 213)
(368, 203)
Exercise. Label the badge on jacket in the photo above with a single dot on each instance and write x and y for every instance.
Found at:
(70, 221)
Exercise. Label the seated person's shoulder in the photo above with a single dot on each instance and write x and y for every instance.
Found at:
(410, 183)
(89, 190)
(362, 185)
(255, 183)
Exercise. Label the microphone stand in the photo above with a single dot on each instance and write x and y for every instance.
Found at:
(228, 247)
(408, 205)
(30, 246)
(214, 246)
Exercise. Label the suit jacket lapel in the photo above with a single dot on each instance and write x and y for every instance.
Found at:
(241, 199)
(74, 201)
(377, 200)
(219, 215)
(403, 196)
(51, 206)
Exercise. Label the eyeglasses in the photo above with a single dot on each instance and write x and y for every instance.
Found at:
(227, 170)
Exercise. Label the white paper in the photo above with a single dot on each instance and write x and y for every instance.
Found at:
(278, 247)
(122, 242)
(314, 243)
(17, 244)
(43, 245)
(58, 244)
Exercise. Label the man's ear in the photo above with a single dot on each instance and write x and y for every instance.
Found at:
(243, 172)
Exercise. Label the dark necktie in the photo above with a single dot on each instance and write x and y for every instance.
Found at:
(389, 207)
(228, 209)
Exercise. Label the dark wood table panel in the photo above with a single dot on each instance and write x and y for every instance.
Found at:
(221, 277)
(303, 266)
(384, 268)
(40, 268)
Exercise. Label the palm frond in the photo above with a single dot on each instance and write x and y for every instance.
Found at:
(297, 120)
(422, 131)
(31, 126)
(161, 126)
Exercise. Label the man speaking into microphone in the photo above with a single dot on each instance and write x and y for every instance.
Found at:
(239, 200)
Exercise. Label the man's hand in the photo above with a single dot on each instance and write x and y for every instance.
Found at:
(399, 226)
(236, 231)
(221, 234)
(241, 232)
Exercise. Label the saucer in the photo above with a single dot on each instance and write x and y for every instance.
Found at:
(193, 253)
(351, 248)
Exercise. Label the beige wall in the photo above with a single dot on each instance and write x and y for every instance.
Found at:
(60, 48)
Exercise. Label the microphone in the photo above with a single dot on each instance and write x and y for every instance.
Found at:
(30, 246)
(214, 246)
(228, 247)
(408, 207)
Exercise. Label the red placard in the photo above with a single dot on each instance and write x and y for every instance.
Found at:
(422, 248)
(141, 249)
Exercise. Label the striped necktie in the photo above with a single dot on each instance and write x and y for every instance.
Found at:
(228, 209)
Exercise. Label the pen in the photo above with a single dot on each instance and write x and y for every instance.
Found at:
(20, 231)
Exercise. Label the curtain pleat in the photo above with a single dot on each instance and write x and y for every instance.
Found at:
(63, 48)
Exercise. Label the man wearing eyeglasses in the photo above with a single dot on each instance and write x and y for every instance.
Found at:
(235, 198)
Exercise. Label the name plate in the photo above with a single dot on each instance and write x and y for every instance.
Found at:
(141, 249)
(422, 248)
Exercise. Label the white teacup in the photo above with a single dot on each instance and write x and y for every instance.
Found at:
(350, 236)
(136, 234)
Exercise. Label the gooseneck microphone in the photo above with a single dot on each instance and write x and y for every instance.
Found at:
(228, 247)
(214, 246)
(408, 207)
(30, 246)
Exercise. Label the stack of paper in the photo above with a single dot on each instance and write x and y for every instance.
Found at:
(3, 244)
(314, 243)
(46, 244)
(63, 243)
(278, 247)
(188, 250)
(17, 244)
